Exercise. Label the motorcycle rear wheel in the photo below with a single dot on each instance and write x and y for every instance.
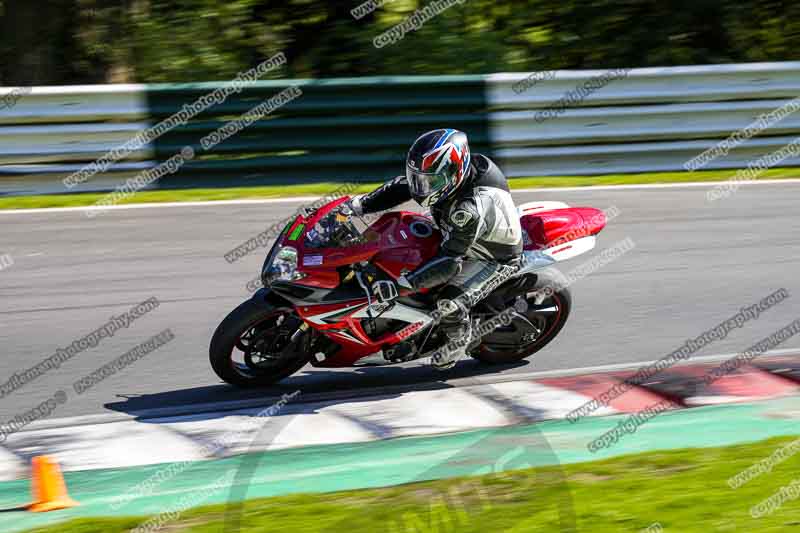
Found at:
(261, 334)
(550, 314)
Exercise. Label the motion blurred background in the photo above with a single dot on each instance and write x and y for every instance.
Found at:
(146, 41)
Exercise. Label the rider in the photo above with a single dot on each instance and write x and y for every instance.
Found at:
(470, 202)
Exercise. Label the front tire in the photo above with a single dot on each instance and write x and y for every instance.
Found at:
(548, 314)
(259, 333)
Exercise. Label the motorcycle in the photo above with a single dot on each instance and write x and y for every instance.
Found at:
(317, 305)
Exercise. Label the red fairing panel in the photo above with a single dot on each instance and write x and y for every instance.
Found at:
(337, 322)
(407, 241)
(396, 242)
(557, 226)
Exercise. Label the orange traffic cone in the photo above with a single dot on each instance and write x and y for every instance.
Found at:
(47, 486)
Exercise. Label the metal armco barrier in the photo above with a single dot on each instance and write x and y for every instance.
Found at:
(651, 119)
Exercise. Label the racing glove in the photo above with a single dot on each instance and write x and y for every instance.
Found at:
(352, 207)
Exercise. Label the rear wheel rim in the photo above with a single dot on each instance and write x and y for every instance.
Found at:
(544, 316)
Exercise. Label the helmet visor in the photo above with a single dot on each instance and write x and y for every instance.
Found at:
(422, 184)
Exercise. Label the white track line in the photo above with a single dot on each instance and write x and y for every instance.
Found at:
(209, 203)
(686, 185)
(298, 199)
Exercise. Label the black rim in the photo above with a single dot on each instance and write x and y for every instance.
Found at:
(544, 316)
(259, 348)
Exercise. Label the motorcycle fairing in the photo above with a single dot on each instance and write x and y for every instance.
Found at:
(399, 242)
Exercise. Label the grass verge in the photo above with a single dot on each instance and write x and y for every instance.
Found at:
(682, 490)
(320, 189)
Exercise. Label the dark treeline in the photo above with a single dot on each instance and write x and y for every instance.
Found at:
(96, 41)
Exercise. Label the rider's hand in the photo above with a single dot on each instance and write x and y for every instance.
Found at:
(346, 209)
(351, 207)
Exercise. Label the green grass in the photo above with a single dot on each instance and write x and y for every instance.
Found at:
(683, 490)
(320, 189)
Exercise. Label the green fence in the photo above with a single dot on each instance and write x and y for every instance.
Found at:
(354, 129)
(358, 129)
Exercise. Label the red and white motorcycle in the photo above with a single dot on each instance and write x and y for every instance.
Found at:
(317, 307)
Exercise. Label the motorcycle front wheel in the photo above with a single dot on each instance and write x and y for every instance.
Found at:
(258, 344)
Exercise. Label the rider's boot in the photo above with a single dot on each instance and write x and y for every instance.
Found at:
(458, 330)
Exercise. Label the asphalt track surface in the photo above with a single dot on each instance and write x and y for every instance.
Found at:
(694, 264)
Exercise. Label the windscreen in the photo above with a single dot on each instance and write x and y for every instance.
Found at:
(335, 230)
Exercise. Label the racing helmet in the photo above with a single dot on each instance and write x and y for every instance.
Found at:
(436, 165)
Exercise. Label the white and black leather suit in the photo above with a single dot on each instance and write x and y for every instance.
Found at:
(482, 237)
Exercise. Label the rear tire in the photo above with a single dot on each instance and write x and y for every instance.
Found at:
(560, 299)
(260, 317)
